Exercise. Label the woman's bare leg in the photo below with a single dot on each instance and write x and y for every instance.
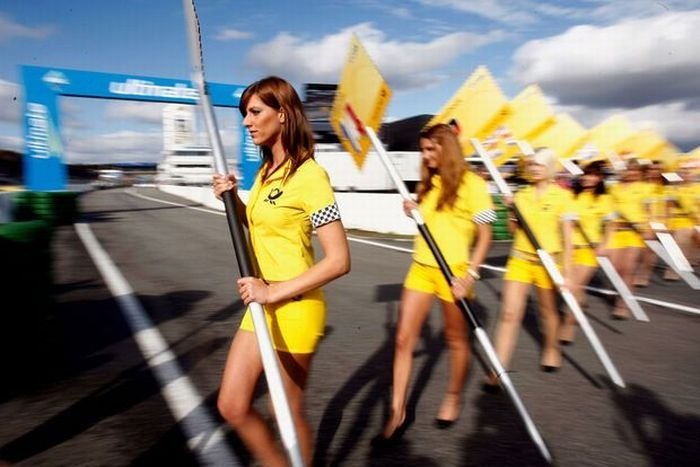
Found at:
(413, 311)
(242, 370)
(513, 303)
(581, 276)
(549, 316)
(457, 341)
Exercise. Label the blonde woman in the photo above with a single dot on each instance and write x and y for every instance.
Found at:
(547, 211)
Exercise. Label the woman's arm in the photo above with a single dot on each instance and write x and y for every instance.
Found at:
(461, 286)
(335, 263)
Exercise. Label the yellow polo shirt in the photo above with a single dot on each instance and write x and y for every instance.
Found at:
(453, 228)
(592, 212)
(544, 214)
(629, 201)
(685, 208)
(282, 212)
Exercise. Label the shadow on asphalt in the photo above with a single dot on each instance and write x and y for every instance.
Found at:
(666, 437)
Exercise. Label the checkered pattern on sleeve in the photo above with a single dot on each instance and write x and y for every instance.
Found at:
(486, 216)
(325, 215)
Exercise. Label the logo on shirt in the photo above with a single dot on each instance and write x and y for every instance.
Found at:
(273, 195)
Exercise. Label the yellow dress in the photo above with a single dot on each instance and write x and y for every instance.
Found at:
(629, 203)
(282, 212)
(453, 228)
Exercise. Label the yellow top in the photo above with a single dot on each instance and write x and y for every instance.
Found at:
(453, 228)
(592, 212)
(543, 213)
(655, 202)
(628, 201)
(282, 212)
(685, 204)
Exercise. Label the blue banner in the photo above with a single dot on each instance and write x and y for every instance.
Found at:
(43, 158)
(250, 160)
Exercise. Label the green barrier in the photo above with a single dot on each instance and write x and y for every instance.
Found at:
(499, 228)
(55, 207)
(26, 276)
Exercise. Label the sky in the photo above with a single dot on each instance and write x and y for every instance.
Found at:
(591, 58)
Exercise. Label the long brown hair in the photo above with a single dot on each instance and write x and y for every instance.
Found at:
(297, 137)
(451, 164)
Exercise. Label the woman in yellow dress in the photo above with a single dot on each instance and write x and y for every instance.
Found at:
(655, 205)
(626, 244)
(290, 198)
(547, 210)
(594, 212)
(684, 211)
(457, 208)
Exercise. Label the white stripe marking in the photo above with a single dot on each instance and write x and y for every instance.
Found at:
(653, 301)
(205, 437)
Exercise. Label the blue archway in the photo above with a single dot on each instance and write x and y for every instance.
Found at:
(44, 168)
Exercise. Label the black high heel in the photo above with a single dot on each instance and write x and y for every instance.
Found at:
(443, 424)
(380, 441)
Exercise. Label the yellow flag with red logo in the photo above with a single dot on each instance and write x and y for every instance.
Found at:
(477, 106)
(360, 101)
(524, 117)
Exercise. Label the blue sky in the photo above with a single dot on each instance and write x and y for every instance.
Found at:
(592, 58)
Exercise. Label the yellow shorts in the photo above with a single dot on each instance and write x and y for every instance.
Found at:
(528, 272)
(295, 325)
(585, 256)
(429, 279)
(626, 239)
(679, 223)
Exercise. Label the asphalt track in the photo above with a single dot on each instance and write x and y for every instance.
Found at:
(123, 367)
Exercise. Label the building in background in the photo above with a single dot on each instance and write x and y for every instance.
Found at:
(184, 161)
(188, 162)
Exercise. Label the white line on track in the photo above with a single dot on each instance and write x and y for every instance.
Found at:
(205, 436)
(653, 301)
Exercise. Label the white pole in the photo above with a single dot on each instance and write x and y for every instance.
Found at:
(271, 368)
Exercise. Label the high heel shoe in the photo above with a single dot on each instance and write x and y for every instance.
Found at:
(381, 441)
(450, 409)
(551, 361)
(442, 424)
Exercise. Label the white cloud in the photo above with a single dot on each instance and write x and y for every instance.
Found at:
(121, 146)
(404, 65)
(12, 143)
(646, 69)
(497, 10)
(674, 121)
(10, 102)
(10, 30)
(229, 34)
(149, 112)
(633, 63)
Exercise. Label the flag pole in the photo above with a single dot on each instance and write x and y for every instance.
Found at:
(271, 368)
(551, 267)
(481, 335)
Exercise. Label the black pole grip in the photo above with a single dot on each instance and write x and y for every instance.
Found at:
(526, 228)
(240, 242)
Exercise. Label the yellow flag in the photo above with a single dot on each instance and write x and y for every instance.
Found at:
(360, 100)
(527, 115)
(474, 108)
(607, 134)
(644, 144)
(562, 136)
